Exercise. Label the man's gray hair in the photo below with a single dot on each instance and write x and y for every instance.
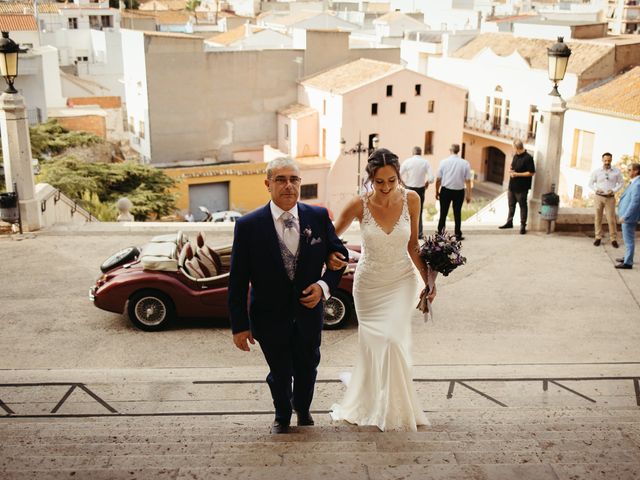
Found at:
(455, 148)
(417, 151)
(518, 144)
(280, 162)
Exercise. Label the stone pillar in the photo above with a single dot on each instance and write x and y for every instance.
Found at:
(548, 150)
(16, 152)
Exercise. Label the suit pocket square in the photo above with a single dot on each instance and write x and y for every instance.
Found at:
(315, 241)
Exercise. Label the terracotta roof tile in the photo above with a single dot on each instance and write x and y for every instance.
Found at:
(534, 50)
(346, 77)
(27, 7)
(619, 97)
(297, 110)
(15, 23)
(232, 35)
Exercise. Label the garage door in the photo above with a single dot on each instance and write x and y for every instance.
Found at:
(214, 196)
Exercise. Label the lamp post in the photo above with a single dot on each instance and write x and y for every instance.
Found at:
(548, 145)
(359, 149)
(16, 144)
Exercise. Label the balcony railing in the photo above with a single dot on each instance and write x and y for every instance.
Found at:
(514, 130)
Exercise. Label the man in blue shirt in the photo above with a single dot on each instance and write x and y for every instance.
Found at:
(629, 213)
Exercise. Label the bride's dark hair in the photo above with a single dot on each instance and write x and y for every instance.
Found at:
(381, 158)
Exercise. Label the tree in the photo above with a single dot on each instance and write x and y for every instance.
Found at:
(101, 184)
(191, 6)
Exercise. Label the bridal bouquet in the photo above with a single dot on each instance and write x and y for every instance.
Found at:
(440, 254)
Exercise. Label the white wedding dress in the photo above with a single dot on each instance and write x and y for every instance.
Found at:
(380, 391)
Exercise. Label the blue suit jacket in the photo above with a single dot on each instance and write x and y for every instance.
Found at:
(629, 206)
(256, 260)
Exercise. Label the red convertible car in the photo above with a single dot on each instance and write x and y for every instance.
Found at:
(172, 277)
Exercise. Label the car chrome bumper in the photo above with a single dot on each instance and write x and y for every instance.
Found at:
(92, 294)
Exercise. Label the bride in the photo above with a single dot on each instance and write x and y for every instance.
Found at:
(381, 391)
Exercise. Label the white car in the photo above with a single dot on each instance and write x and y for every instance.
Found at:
(226, 216)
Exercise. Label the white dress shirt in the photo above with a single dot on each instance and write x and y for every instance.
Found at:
(606, 179)
(453, 172)
(276, 213)
(415, 171)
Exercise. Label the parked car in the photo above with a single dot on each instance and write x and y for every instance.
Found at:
(224, 216)
(171, 277)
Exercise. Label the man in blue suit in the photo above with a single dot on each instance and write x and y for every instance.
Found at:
(629, 213)
(277, 259)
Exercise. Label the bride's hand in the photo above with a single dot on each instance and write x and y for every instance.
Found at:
(336, 261)
(432, 294)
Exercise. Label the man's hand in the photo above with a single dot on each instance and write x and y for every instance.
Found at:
(243, 339)
(437, 194)
(468, 198)
(336, 261)
(622, 220)
(609, 192)
(513, 174)
(311, 295)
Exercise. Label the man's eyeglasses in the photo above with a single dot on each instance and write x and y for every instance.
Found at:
(282, 180)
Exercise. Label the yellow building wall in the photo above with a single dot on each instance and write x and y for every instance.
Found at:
(247, 190)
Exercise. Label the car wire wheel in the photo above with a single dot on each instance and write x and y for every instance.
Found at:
(150, 310)
(338, 310)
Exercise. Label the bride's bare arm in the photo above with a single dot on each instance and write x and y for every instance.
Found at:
(413, 246)
(352, 211)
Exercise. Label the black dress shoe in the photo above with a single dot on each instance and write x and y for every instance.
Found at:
(597, 242)
(459, 238)
(305, 419)
(624, 266)
(506, 225)
(279, 427)
(614, 244)
(523, 230)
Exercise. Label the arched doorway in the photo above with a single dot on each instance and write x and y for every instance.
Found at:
(495, 160)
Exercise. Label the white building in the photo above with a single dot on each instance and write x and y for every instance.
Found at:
(362, 101)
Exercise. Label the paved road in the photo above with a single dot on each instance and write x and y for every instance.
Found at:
(533, 300)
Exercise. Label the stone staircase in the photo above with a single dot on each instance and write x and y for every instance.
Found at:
(214, 423)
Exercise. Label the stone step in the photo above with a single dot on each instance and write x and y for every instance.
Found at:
(604, 471)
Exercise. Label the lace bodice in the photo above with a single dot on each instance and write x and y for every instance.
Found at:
(381, 250)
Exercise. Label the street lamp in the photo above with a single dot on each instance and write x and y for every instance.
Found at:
(9, 51)
(359, 149)
(16, 146)
(558, 56)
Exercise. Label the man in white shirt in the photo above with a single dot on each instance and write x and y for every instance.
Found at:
(452, 179)
(606, 181)
(416, 174)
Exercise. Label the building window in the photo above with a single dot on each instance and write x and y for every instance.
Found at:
(389, 90)
(72, 22)
(374, 109)
(286, 131)
(507, 111)
(141, 127)
(582, 151)
(418, 89)
(308, 192)
(487, 108)
(533, 123)
(497, 114)
(403, 108)
(107, 21)
(431, 106)
(428, 143)
(636, 152)
(131, 125)
(94, 22)
(466, 106)
(82, 59)
(324, 107)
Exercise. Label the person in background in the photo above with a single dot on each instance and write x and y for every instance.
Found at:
(606, 181)
(521, 172)
(453, 179)
(416, 174)
(629, 212)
